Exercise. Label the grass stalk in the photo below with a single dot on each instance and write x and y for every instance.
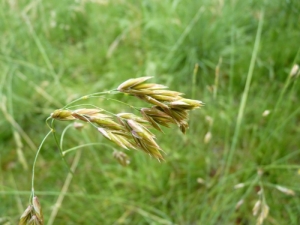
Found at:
(229, 156)
(34, 163)
(244, 95)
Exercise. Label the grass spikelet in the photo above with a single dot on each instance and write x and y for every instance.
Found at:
(33, 214)
(61, 114)
(131, 83)
(26, 216)
(144, 138)
(132, 117)
(186, 104)
(285, 190)
(157, 117)
(121, 157)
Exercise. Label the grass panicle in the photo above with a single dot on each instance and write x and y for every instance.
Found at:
(130, 131)
(127, 130)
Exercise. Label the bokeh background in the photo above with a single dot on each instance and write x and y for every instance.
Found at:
(242, 147)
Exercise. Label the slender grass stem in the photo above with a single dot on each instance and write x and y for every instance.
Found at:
(232, 149)
(63, 135)
(58, 145)
(244, 96)
(84, 145)
(98, 94)
(34, 163)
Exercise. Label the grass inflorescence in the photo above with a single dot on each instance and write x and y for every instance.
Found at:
(241, 151)
(127, 130)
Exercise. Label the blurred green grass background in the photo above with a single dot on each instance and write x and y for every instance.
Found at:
(54, 51)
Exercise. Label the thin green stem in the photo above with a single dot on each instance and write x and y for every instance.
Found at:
(34, 162)
(58, 145)
(124, 103)
(241, 111)
(98, 94)
(85, 145)
(62, 136)
(244, 96)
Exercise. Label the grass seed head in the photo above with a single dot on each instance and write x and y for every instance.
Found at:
(261, 210)
(78, 126)
(144, 139)
(285, 190)
(130, 131)
(107, 123)
(121, 157)
(207, 137)
(149, 86)
(87, 114)
(186, 104)
(183, 126)
(263, 215)
(121, 139)
(33, 214)
(34, 221)
(294, 71)
(37, 208)
(90, 112)
(129, 84)
(26, 216)
(61, 114)
(239, 204)
(156, 116)
(256, 207)
(132, 117)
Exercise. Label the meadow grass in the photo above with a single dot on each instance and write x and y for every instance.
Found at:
(52, 52)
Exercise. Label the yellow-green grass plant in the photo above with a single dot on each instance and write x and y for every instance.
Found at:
(141, 36)
(127, 130)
